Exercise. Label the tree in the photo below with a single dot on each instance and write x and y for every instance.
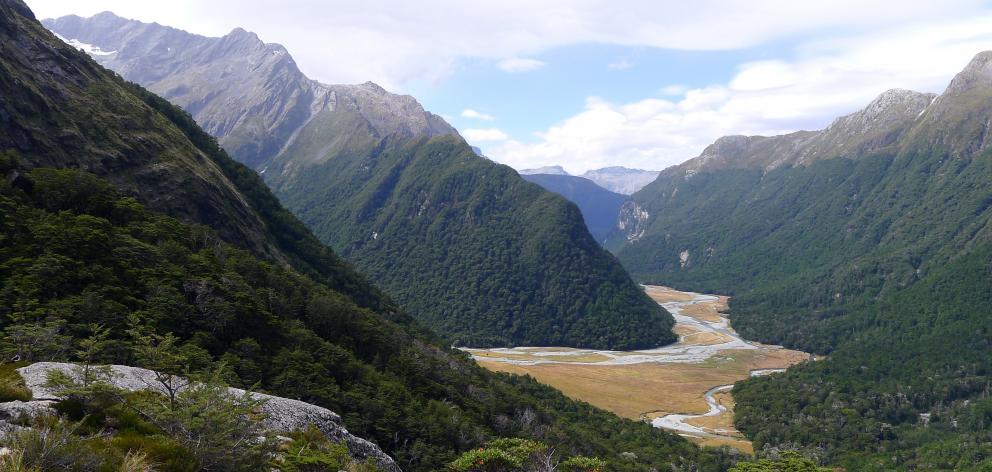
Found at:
(790, 461)
(34, 340)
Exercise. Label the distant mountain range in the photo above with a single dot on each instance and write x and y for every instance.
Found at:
(870, 241)
(464, 244)
(600, 207)
(615, 179)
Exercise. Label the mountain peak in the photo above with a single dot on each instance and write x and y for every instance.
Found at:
(977, 74)
(891, 107)
(374, 87)
(242, 34)
(547, 170)
(19, 7)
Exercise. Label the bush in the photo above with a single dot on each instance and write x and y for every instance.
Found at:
(12, 385)
(53, 445)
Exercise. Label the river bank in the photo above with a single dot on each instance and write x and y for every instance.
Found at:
(683, 387)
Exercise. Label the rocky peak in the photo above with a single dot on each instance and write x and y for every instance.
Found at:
(18, 7)
(892, 105)
(249, 94)
(976, 75)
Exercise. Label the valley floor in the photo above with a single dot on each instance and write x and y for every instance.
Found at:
(683, 387)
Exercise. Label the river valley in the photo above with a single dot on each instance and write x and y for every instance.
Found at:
(683, 387)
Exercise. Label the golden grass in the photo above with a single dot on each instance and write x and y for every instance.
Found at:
(523, 356)
(648, 390)
(724, 421)
(704, 311)
(706, 338)
(742, 445)
(665, 294)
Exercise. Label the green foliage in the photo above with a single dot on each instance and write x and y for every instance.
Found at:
(311, 451)
(471, 249)
(219, 272)
(881, 262)
(502, 455)
(789, 462)
(279, 331)
(598, 205)
(53, 445)
(12, 385)
(583, 464)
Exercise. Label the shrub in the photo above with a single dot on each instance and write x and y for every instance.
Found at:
(12, 384)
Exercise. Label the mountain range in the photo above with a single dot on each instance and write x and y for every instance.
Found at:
(119, 213)
(462, 243)
(868, 241)
(615, 179)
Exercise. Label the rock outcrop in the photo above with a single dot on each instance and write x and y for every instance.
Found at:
(281, 414)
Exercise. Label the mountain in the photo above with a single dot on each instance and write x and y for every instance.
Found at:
(600, 207)
(464, 244)
(548, 170)
(621, 179)
(869, 241)
(118, 211)
(263, 102)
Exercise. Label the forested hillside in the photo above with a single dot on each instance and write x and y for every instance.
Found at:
(600, 207)
(113, 204)
(463, 244)
(868, 241)
(481, 255)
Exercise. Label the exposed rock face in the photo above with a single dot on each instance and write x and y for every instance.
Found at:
(632, 220)
(282, 414)
(621, 179)
(263, 102)
(872, 129)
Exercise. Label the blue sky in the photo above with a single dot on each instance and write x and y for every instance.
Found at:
(592, 83)
(525, 102)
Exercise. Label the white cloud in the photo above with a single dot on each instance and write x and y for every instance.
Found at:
(393, 42)
(674, 89)
(622, 64)
(829, 78)
(519, 64)
(478, 135)
(476, 115)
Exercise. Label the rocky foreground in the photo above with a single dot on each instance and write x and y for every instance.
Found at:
(281, 414)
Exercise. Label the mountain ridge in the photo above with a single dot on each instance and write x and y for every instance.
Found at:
(83, 250)
(257, 72)
(868, 241)
(398, 192)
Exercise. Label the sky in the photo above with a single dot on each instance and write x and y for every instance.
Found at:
(587, 84)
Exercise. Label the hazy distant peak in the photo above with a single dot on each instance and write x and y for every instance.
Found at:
(620, 179)
(547, 170)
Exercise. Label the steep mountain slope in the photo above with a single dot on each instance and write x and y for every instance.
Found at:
(621, 179)
(60, 109)
(463, 244)
(599, 207)
(80, 249)
(475, 251)
(868, 240)
(249, 94)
